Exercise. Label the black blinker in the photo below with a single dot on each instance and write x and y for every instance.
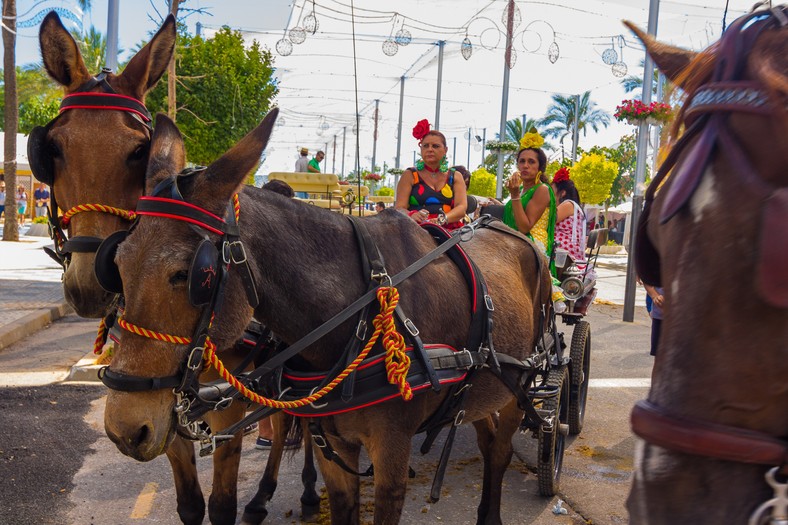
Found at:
(107, 273)
(203, 273)
(39, 155)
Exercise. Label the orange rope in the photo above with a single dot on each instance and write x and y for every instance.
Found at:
(98, 344)
(383, 323)
(79, 208)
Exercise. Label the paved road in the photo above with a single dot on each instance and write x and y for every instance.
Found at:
(58, 466)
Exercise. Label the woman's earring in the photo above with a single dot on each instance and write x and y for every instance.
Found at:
(444, 164)
(538, 176)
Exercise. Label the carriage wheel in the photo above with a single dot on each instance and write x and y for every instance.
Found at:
(580, 354)
(551, 445)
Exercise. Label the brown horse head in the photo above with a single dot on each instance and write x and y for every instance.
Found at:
(716, 234)
(161, 250)
(95, 156)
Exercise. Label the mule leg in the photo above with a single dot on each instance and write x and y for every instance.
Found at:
(255, 511)
(223, 502)
(389, 452)
(188, 494)
(495, 444)
(342, 487)
(310, 500)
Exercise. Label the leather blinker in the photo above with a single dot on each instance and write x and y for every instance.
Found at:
(39, 155)
(106, 270)
(203, 273)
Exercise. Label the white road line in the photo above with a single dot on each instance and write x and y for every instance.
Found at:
(624, 382)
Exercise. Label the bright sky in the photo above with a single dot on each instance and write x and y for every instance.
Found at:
(318, 84)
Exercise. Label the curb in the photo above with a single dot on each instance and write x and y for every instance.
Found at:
(85, 370)
(31, 323)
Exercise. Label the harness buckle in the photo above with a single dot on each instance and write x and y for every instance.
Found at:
(410, 327)
(489, 303)
(361, 330)
(223, 404)
(194, 364)
(227, 255)
(320, 441)
(316, 407)
(209, 446)
(238, 247)
(459, 417)
(460, 357)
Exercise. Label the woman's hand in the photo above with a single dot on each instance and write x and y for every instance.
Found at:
(420, 216)
(658, 299)
(513, 184)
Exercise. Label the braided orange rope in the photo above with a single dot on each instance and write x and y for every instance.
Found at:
(397, 362)
(79, 208)
(388, 298)
(98, 344)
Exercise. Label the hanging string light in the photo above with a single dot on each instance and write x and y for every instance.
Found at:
(284, 46)
(311, 24)
(516, 19)
(553, 52)
(297, 33)
(390, 47)
(466, 48)
(620, 68)
(609, 56)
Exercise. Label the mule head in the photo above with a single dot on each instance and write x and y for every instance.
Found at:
(96, 155)
(156, 265)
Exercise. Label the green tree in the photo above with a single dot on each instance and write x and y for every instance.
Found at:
(625, 155)
(482, 183)
(560, 118)
(226, 90)
(593, 176)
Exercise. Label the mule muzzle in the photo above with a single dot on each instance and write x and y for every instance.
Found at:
(81, 289)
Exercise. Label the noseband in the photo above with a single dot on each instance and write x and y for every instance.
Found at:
(706, 119)
(43, 167)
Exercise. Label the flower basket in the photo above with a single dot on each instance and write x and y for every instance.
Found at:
(396, 171)
(502, 146)
(634, 112)
(373, 177)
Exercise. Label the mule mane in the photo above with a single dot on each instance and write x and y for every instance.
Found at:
(768, 64)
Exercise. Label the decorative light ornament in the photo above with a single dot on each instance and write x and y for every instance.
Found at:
(390, 47)
(466, 48)
(311, 23)
(619, 69)
(516, 19)
(280, 122)
(512, 58)
(284, 47)
(403, 36)
(553, 52)
(609, 56)
(297, 35)
(319, 132)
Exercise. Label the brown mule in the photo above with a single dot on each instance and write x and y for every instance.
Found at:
(714, 426)
(98, 155)
(302, 257)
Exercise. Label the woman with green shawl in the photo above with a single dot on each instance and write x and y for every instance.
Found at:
(536, 214)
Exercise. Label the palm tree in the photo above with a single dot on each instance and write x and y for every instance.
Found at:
(93, 45)
(515, 129)
(10, 119)
(561, 116)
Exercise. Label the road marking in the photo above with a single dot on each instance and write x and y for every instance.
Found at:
(144, 502)
(624, 382)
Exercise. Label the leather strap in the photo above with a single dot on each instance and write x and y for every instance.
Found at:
(660, 427)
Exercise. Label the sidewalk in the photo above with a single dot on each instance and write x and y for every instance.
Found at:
(31, 292)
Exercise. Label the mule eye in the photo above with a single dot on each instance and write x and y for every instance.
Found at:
(139, 154)
(179, 277)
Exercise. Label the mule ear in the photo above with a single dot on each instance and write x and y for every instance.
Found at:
(167, 155)
(226, 175)
(146, 67)
(669, 59)
(60, 54)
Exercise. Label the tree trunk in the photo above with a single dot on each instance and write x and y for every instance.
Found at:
(11, 228)
(171, 102)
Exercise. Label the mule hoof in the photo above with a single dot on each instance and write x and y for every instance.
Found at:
(310, 512)
(251, 517)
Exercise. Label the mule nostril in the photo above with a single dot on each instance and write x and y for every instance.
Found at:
(140, 437)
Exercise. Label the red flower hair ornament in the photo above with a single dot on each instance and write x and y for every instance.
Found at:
(561, 175)
(421, 129)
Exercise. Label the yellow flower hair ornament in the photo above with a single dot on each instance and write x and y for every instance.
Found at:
(532, 139)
